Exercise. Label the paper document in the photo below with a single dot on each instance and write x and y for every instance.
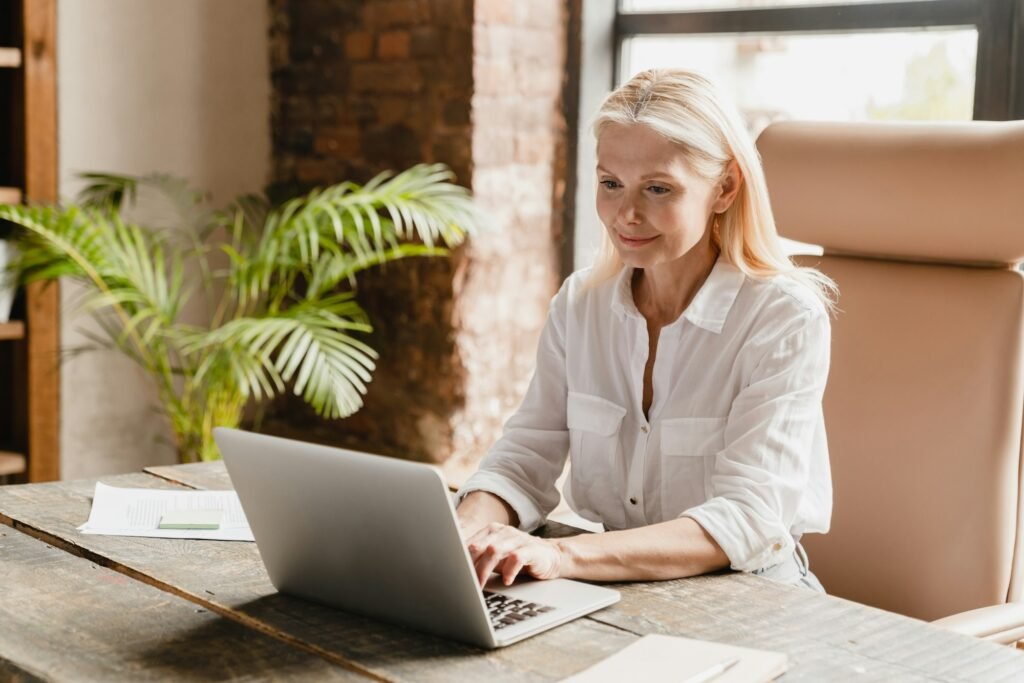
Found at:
(137, 512)
(657, 658)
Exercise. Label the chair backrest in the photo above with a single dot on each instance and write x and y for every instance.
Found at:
(922, 227)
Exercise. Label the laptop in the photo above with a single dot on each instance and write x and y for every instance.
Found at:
(378, 536)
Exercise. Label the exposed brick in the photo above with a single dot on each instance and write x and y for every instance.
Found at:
(395, 109)
(399, 77)
(457, 43)
(546, 14)
(394, 147)
(389, 13)
(316, 172)
(393, 45)
(297, 140)
(534, 147)
(362, 86)
(495, 11)
(425, 42)
(342, 141)
(494, 42)
(493, 76)
(537, 46)
(458, 13)
(456, 75)
(530, 82)
(456, 113)
(359, 45)
(493, 148)
(453, 149)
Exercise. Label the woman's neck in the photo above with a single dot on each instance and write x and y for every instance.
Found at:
(663, 292)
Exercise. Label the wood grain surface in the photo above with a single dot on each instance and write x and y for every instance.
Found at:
(65, 618)
(228, 578)
(826, 638)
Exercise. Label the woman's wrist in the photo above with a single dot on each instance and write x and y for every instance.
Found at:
(566, 557)
(480, 508)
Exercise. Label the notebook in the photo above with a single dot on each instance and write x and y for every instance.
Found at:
(656, 658)
(379, 537)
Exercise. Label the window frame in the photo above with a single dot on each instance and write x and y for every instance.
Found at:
(998, 90)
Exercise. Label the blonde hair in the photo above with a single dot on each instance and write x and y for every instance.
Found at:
(683, 107)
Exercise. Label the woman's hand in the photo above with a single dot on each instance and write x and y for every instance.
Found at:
(504, 549)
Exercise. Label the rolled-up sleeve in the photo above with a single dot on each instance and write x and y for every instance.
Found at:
(760, 475)
(523, 465)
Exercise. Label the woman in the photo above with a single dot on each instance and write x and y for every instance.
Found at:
(683, 374)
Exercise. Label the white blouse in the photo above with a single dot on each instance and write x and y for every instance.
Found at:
(736, 435)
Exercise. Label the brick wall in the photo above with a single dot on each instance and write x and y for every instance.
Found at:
(361, 87)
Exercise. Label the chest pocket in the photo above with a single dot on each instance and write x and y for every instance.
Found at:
(594, 425)
(688, 449)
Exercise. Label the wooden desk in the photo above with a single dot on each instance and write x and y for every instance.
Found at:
(104, 608)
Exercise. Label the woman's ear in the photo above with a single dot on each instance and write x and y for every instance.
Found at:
(728, 187)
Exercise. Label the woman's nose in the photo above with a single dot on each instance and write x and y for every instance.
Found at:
(628, 211)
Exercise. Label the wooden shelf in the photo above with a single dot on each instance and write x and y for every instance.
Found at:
(10, 195)
(10, 58)
(14, 329)
(11, 463)
(29, 368)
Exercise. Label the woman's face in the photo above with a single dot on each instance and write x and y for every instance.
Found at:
(655, 208)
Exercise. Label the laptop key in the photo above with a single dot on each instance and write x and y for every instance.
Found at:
(505, 611)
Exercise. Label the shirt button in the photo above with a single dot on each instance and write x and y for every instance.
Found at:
(644, 429)
(632, 501)
(777, 547)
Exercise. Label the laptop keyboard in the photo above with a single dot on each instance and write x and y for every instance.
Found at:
(506, 611)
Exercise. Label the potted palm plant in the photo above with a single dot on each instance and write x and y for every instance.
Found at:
(279, 285)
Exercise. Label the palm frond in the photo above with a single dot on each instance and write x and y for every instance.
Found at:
(333, 268)
(280, 319)
(309, 344)
(107, 191)
(420, 203)
(126, 266)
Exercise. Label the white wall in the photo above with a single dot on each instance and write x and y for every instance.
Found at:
(177, 86)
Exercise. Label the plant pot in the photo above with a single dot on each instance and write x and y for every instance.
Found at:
(7, 280)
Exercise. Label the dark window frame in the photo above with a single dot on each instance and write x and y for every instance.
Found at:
(999, 70)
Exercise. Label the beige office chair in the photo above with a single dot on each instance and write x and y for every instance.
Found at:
(922, 227)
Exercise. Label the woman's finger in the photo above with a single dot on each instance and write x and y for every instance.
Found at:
(492, 548)
(477, 541)
(489, 558)
(513, 564)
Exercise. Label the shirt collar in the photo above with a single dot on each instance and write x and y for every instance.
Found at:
(709, 307)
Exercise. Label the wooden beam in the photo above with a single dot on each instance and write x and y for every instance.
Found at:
(43, 302)
(10, 58)
(40, 17)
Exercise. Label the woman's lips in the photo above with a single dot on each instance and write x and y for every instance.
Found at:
(634, 241)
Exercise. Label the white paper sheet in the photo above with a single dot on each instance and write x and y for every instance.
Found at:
(136, 512)
(669, 659)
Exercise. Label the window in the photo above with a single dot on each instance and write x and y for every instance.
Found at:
(915, 59)
(808, 59)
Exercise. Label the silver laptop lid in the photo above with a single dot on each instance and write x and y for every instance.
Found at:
(372, 535)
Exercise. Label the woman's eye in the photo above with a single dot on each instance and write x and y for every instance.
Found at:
(657, 189)
(609, 184)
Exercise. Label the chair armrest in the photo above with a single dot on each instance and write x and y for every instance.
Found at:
(998, 623)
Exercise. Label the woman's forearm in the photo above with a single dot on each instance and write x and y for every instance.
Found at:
(480, 508)
(669, 550)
